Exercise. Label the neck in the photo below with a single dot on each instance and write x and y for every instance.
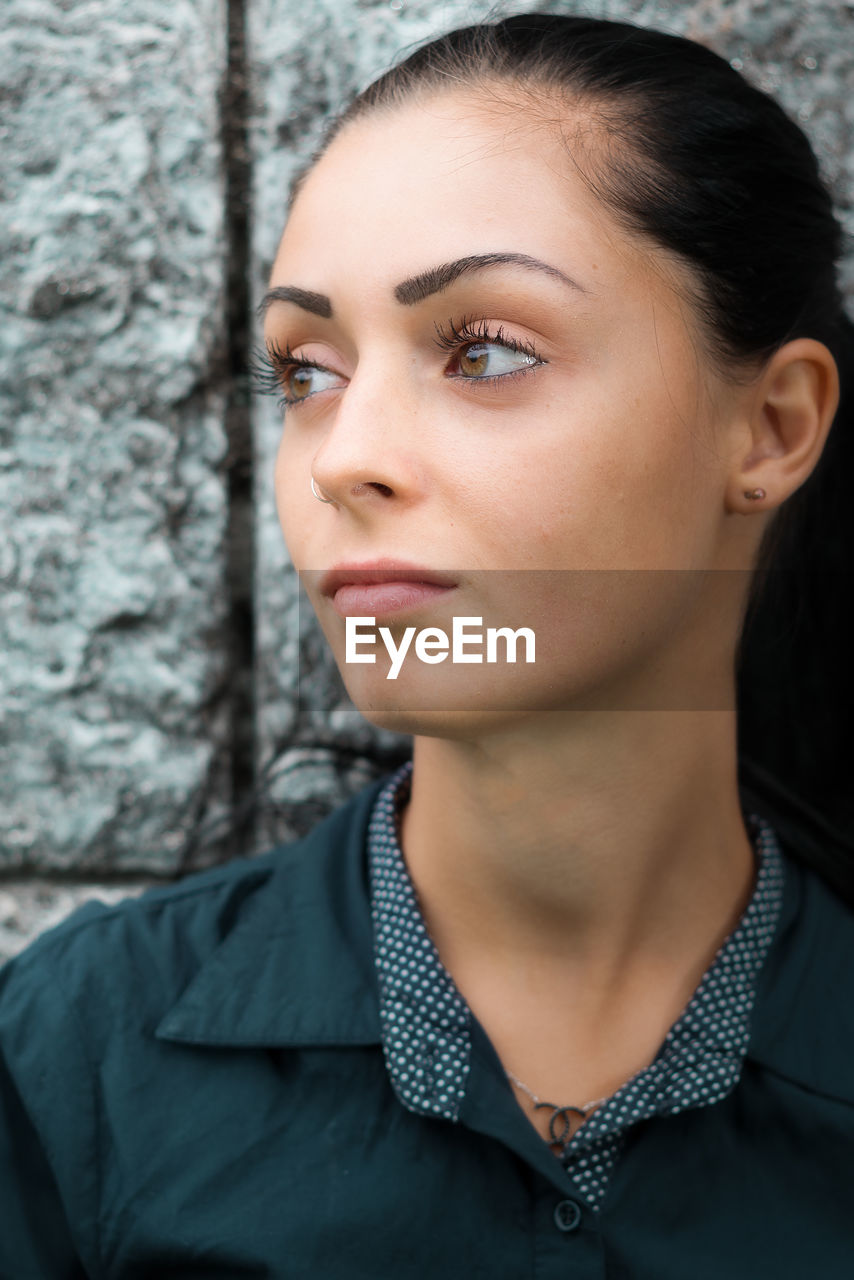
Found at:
(602, 846)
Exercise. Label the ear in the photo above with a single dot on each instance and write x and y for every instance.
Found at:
(790, 414)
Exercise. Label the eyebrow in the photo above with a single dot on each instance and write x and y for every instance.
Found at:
(416, 288)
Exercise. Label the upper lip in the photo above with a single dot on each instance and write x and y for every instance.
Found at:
(381, 571)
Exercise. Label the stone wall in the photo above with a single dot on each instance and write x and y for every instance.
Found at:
(150, 628)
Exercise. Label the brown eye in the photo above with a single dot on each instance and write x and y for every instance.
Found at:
(474, 363)
(493, 359)
(298, 381)
(276, 370)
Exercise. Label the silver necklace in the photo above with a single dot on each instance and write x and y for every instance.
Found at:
(560, 1138)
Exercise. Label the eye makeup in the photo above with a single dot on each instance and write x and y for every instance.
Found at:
(274, 366)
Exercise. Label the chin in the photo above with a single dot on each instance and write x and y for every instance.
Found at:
(460, 708)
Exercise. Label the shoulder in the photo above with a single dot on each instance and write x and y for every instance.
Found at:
(77, 999)
(147, 949)
(803, 1019)
(162, 934)
(92, 990)
(816, 924)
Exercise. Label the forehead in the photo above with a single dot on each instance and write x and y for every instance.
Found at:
(452, 173)
(442, 166)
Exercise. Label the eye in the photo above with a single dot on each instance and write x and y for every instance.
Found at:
(478, 351)
(279, 371)
(481, 356)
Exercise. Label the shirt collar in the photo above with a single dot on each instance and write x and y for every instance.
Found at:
(426, 1022)
(297, 967)
(427, 1025)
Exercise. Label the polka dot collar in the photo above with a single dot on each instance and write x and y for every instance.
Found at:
(426, 1022)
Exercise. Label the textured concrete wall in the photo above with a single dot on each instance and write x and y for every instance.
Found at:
(123, 207)
(111, 439)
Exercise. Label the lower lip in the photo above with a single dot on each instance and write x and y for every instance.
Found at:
(375, 599)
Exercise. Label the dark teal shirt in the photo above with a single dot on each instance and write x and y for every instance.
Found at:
(193, 1084)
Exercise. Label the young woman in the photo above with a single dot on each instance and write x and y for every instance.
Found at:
(556, 324)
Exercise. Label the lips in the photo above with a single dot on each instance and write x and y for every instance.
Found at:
(381, 571)
(382, 587)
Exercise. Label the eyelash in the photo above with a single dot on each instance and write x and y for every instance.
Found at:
(272, 365)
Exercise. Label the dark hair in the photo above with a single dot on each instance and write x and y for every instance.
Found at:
(714, 171)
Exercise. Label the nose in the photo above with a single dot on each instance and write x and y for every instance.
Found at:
(367, 457)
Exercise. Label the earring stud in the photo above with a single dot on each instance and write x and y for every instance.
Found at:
(754, 493)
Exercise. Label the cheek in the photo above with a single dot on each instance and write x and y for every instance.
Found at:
(618, 487)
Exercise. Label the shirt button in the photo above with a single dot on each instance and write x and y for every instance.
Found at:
(567, 1215)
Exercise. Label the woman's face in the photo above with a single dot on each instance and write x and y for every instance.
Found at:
(559, 459)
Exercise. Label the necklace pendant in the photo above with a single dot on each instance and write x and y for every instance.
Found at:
(563, 1137)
